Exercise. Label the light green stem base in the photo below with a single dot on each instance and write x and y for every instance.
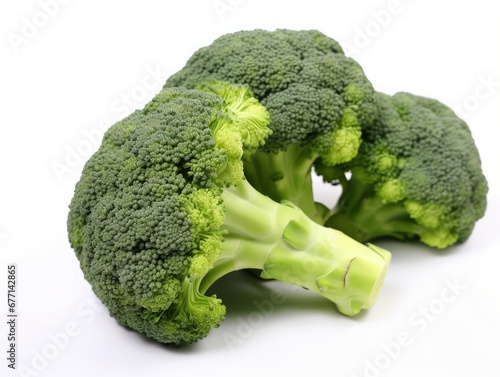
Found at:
(287, 245)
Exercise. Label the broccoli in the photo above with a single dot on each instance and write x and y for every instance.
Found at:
(318, 99)
(163, 210)
(417, 175)
(416, 172)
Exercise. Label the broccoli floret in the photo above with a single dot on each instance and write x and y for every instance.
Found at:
(318, 99)
(417, 175)
(163, 210)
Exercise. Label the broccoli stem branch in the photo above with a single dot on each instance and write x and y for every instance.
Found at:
(286, 245)
(362, 215)
(286, 175)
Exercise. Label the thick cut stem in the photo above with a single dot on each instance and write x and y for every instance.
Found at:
(285, 244)
(362, 215)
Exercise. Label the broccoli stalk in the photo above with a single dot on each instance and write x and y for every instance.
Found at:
(365, 216)
(283, 242)
(286, 175)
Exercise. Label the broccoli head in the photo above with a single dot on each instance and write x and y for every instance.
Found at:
(417, 175)
(163, 210)
(318, 100)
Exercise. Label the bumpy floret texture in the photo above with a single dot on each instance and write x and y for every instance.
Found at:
(419, 155)
(315, 95)
(145, 217)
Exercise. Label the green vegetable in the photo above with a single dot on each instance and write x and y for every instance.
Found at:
(163, 210)
(318, 99)
(417, 175)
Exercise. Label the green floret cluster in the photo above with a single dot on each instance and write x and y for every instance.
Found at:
(310, 88)
(318, 99)
(136, 214)
(417, 175)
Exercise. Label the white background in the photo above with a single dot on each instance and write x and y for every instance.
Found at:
(69, 70)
